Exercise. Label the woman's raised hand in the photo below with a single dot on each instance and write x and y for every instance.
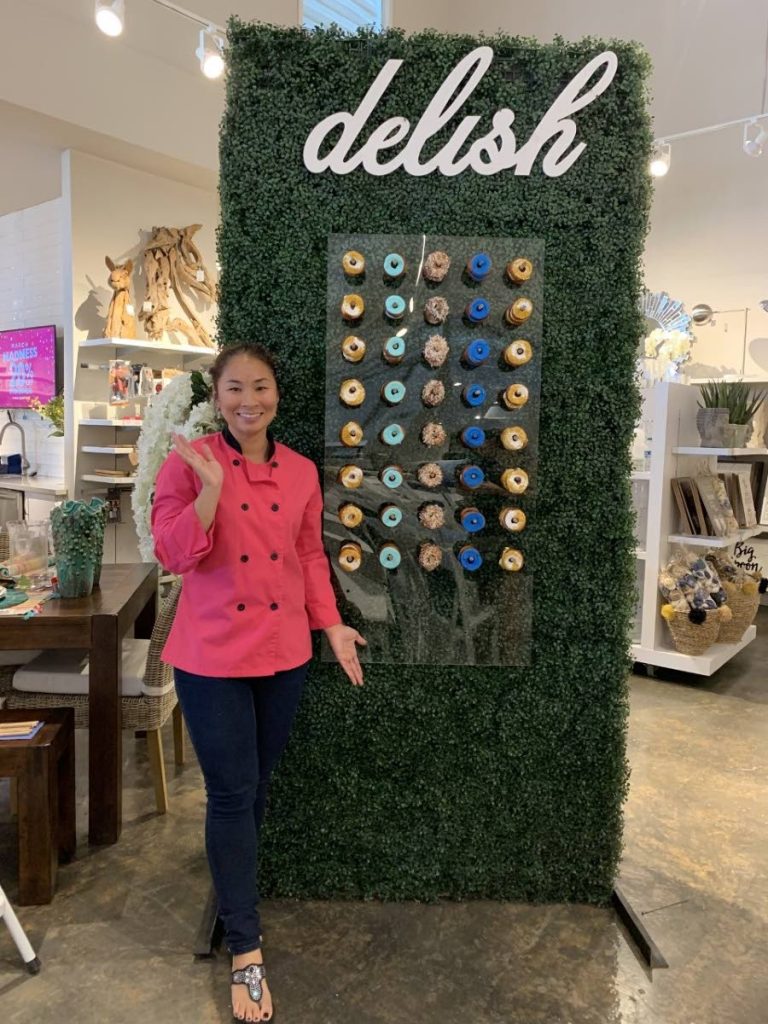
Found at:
(202, 460)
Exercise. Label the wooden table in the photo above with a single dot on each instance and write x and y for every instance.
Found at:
(127, 595)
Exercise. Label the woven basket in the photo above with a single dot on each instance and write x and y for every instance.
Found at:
(744, 608)
(691, 638)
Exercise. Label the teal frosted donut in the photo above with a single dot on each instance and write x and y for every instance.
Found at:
(394, 307)
(391, 515)
(389, 556)
(391, 477)
(394, 350)
(393, 434)
(394, 265)
(393, 392)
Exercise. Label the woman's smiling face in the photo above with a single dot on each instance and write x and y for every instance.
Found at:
(247, 396)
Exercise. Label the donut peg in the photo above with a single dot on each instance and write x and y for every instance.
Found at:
(436, 266)
(352, 307)
(518, 353)
(430, 474)
(393, 392)
(394, 350)
(394, 307)
(351, 434)
(511, 560)
(353, 349)
(391, 516)
(515, 396)
(470, 558)
(430, 556)
(514, 480)
(472, 519)
(393, 434)
(350, 557)
(353, 263)
(471, 477)
(391, 477)
(479, 266)
(512, 519)
(394, 265)
(350, 476)
(350, 516)
(389, 556)
(518, 312)
(352, 392)
(476, 353)
(477, 310)
(473, 395)
(514, 438)
(520, 270)
(473, 437)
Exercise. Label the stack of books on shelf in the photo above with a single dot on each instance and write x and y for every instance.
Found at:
(20, 730)
(719, 506)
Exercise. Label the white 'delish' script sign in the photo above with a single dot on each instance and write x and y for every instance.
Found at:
(496, 151)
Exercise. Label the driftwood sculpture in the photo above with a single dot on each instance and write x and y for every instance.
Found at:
(172, 262)
(121, 321)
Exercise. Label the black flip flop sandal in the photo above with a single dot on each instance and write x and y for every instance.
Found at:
(252, 977)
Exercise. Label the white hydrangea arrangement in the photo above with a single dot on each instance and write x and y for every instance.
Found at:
(184, 406)
(665, 352)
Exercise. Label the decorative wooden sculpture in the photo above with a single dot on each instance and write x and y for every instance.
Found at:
(172, 262)
(121, 320)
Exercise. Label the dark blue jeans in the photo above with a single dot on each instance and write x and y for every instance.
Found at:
(239, 728)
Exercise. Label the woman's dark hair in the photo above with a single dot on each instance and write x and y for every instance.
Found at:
(243, 348)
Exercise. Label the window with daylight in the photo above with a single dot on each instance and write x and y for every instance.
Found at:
(347, 14)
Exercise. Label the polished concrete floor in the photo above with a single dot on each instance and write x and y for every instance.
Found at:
(115, 942)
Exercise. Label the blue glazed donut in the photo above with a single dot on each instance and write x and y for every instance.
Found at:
(389, 556)
(476, 353)
(470, 558)
(393, 392)
(479, 266)
(477, 310)
(394, 265)
(471, 476)
(473, 437)
(394, 306)
(394, 350)
(473, 394)
(391, 477)
(472, 520)
(393, 434)
(391, 515)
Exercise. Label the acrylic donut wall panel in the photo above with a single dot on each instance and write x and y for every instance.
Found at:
(433, 374)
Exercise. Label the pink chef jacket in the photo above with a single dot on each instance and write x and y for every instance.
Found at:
(258, 581)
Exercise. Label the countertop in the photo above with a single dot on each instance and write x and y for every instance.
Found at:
(34, 484)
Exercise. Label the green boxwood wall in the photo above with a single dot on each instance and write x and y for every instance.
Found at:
(461, 782)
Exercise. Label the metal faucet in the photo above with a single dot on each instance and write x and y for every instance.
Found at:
(24, 460)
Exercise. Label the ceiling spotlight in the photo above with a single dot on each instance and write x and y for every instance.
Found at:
(661, 157)
(764, 304)
(110, 16)
(211, 53)
(755, 137)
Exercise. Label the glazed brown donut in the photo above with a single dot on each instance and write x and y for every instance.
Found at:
(432, 516)
(430, 474)
(436, 266)
(514, 439)
(518, 312)
(350, 477)
(350, 515)
(351, 434)
(433, 434)
(519, 270)
(353, 263)
(518, 353)
(353, 348)
(515, 395)
(435, 351)
(514, 480)
(433, 393)
(352, 392)
(512, 519)
(352, 307)
(430, 556)
(350, 556)
(511, 560)
(436, 310)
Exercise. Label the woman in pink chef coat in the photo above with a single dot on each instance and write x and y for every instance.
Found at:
(239, 516)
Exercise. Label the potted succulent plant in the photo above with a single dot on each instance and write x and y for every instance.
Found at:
(712, 415)
(742, 404)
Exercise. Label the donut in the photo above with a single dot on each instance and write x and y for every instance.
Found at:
(353, 263)
(389, 556)
(514, 480)
(470, 558)
(433, 393)
(351, 434)
(515, 395)
(436, 266)
(430, 474)
(394, 307)
(350, 516)
(393, 392)
(353, 349)
(393, 350)
(511, 560)
(352, 392)
(512, 519)
(435, 350)
(391, 477)
(514, 438)
(432, 434)
(350, 557)
(436, 310)
(517, 353)
(391, 516)
(477, 310)
(350, 476)
(473, 437)
(432, 516)
(473, 395)
(393, 434)
(472, 519)
(519, 311)
(394, 265)
(430, 556)
(476, 353)
(471, 476)
(352, 307)
(519, 270)
(479, 266)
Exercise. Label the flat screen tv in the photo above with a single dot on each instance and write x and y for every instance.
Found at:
(27, 366)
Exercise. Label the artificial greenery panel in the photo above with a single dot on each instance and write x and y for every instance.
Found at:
(469, 781)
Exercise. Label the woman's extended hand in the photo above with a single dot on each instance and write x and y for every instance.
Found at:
(342, 640)
(203, 461)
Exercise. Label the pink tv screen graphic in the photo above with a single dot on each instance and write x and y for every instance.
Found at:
(27, 366)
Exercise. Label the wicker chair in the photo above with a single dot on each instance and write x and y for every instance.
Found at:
(148, 711)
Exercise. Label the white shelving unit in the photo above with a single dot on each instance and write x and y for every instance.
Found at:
(122, 348)
(117, 424)
(675, 451)
(112, 481)
(107, 449)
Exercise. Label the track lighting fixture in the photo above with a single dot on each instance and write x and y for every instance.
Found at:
(210, 53)
(661, 157)
(110, 16)
(755, 138)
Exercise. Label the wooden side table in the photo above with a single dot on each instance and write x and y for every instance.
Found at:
(45, 771)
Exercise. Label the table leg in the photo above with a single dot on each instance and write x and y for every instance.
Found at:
(145, 620)
(105, 734)
(37, 830)
(66, 785)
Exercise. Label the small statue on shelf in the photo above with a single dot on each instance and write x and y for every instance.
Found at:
(121, 319)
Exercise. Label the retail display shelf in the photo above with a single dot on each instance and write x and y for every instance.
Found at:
(125, 424)
(113, 481)
(699, 664)
(716, 542)
(685, 450)
(126, 345)
(107, 449)
(639, 553)
(641, 475)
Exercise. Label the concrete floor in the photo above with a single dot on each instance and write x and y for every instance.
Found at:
(115, 942)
